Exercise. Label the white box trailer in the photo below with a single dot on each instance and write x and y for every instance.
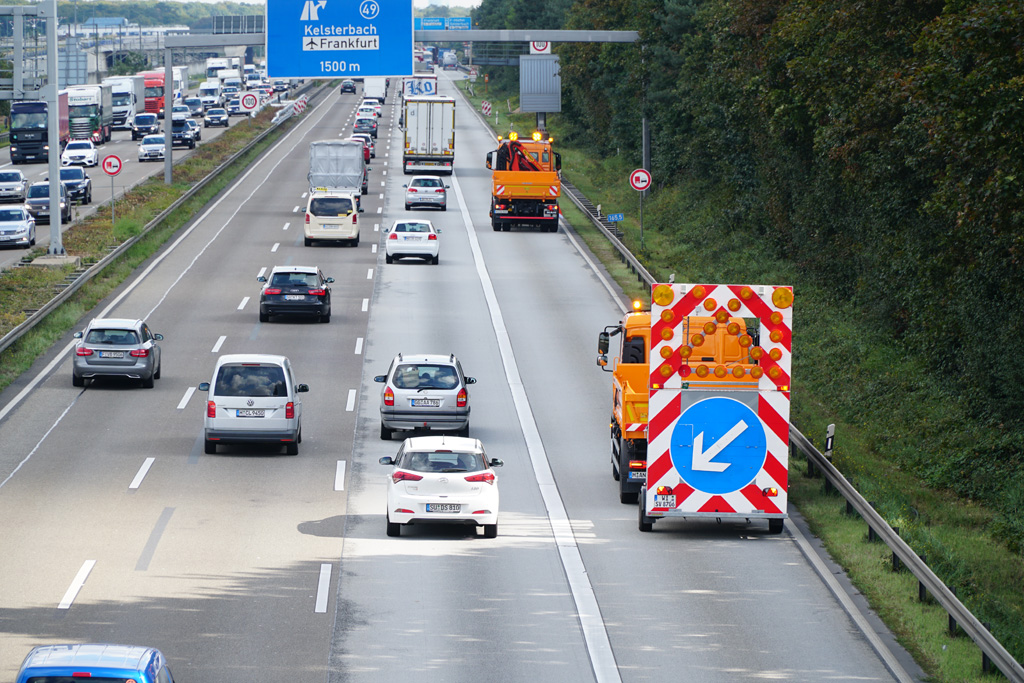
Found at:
(429, 134)
(337, 166)
(375, 88)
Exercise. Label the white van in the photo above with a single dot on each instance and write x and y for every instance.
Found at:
(253, 398)
(332, 216)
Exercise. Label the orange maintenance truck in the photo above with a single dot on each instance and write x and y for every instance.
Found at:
(525, 185)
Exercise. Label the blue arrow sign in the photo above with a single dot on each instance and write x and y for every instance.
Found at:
(616, 217)
(338, 38)
(718, 445)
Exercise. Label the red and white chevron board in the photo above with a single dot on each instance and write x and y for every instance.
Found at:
(499, 189)
(554, 190)
(636, 427)
(671, 380)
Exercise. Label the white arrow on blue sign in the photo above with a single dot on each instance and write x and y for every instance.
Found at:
(718, 445)
(339, 38)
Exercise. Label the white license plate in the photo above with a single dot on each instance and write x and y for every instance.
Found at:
(426, 402)
(111, 354)
(249, 412)
(413, 238)
(444, 507)
(665, 501)
(331, 226)
(642, 476)
(294, 297)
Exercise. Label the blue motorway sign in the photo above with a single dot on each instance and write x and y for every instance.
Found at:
(338, 38)
(432, 23)
(458, 23)
(718, 445)
(616, 217)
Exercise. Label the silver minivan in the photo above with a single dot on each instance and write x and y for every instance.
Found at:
(253, 398)
(424, 391)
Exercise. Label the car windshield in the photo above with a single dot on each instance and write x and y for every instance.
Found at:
(425, 376)
(426, 182)
(145, 120)
(79, 145)
(250, 380)
(295, 280)
(330, 206)
(412, 227)
(420, 461)
(11, 215)
(216, 112)
(72, 174)
(112, 336)
(37, 191)
(10, 178)
(193, 102)
(153, 140)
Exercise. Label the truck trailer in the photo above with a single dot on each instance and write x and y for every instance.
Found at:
(429, 126)
(128, 94)
(375, 88)
(91, 110)
(337, 166)
(29, 133)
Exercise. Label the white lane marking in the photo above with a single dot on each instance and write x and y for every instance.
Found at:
(323, 589)
(373, 248)
(295, 210)
(339, 476)
(187, 396)
(350, 404)
(273, 249)
(67, 410)
(303, 195)
(244, 302)
(369, 274)
(263, 271)
(595, 634)
(383, 184)
(366, 305)
(381, 196)
(220, 342)
(76, 585)
(286, 226)
(385, 172)
(137, 481)
(380, 209)
(376, 227)
(359, 345)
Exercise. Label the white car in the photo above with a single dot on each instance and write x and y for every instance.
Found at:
(367, 110)
(80, 152)
(152, 148)
(442, 479)
(17, 227)
(414, 239)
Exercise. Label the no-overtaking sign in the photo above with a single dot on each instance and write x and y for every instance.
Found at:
(112, 164)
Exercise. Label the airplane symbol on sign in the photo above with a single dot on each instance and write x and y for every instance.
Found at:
(311, 44)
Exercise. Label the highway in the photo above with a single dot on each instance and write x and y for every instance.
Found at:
(250, 565)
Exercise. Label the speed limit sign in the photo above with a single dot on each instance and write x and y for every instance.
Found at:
(249, 101)
(640, 179)
(112, 165)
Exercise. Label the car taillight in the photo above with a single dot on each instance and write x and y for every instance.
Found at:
(82, 351)
(393, 236)
(389, 397)
(485, 477)
(413, 189)
(355, 219)
(399, 475)
(139, 353)
(307, 219)
(441, 191)
(272, 290)
(211, 409)
(289, 411)
(462, 398)
(317, 292)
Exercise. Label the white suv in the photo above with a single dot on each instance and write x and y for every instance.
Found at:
(253, 398)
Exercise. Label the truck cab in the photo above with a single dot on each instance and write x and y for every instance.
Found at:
(525, 183)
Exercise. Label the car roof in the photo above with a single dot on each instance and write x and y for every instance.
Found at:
(458, 444)
(293, 269)
(124, 323)
(235, 358)
(329, 193)
(444, 358)
(133, 657)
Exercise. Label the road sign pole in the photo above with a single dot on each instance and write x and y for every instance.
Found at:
(642, 221)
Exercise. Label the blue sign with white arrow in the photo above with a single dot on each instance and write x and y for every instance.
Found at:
(718, 445)
(339, 38)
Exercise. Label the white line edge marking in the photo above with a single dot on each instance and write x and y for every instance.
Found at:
(185, 399)
(274, 248)
(359, 345)
(350, 404)
(220, 342)
(366, 305)
(595, 634)
(76, 585)
(143, 471)
(323, 588)
(245, 300)
(339, 476)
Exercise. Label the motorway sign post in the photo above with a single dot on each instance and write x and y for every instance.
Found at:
(332, 39)
(112, 166)
(640, 180)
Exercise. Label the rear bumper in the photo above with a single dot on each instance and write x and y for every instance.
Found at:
(408, 420)
(299, 308)
(231, 436)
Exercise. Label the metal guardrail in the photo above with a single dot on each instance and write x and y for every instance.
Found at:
(992, 650)
(38, 316)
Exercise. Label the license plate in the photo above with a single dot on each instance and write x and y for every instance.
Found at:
(427, 402)
(444, 507)
(413, 238)
(111, 354)
(249, 412)
(331, 226)
(665, 501)
(642, 476)
(294, 297)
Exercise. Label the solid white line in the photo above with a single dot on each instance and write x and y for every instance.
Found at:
(273, 249)
(77, 584)
(187, 396)
(52, 427)
(263, 271)
(339, 476)
(323, 589)
(359, 345)
(366, 305)
(595, 634)
(220, 342)
(350, 404)
(245, 300)
(137, 481)
(286, 226)
(369, 274)
(373, 248)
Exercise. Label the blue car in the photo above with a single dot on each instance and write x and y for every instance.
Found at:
(97, 662)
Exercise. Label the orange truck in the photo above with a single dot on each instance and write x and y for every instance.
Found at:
(720, 346)
(525, 183)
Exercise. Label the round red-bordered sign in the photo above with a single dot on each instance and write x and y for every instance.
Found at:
(112, 164)
(249, 101)
(640, 179)
(540, 46)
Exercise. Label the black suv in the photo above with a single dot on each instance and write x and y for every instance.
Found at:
(38, 202)
(78, 183)
(143, 125)
(181, 133)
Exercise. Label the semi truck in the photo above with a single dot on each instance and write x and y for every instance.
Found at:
(429, 127)
(29, 133)
(154, 91)
(337, 166)
(128, 94)
(700, 403)
(525, 183)
(213, 65)
(91, 111)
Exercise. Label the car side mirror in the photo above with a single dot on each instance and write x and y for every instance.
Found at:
(471, 380)
(558, 161)
(405, 186)
(204, 386)
(437, 230)
(497, 462)
(447, 187)
(361, 211)
(77, 335)
(261, 278)
(158, 337)
(387, 460)
(329, 280)
(301, 388)
(380, 379)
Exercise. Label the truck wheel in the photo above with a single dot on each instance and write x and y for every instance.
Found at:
(644, 523)
(495, 226)
(775, 526)
(626, 497)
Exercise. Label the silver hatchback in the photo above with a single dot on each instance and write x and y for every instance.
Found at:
(424, 391)
(116, 347)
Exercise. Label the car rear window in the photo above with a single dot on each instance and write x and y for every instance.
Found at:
(424, 376)
(108, 336)
(295, 279)
(366, 122)
(434, 461)
(330, 206)
(412, 227)
(251, 380)
(426, 182)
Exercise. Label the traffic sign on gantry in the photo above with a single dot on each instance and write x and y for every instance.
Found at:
(339, 38)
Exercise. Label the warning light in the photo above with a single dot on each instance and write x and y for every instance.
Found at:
(684, 371)
(663, 295)
(734, 305)
(710, 305)
(550, 139)
(721, 372)
(697, 340)
(665, 370)
(771, 492)
(513, 136)
(733, 328)
(783, 297)
(536, 136)
(699, 291)
(783, 387)
(756, 352)
(756, 372)
(721, 316)
(709, 328)
(637, 304)
(702, 371)
(775, 354)
(776, 336)
(668, 315)
(746, 340)
(666, 351)
(774, 373)
(664, 491)
(656, 386)
(746, 293)
(667, 333)
(738, 372)
(500, 138)
(776, 318)
(685, 351)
